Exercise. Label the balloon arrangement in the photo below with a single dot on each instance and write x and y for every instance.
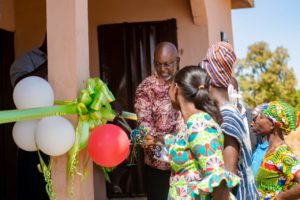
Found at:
(112, 142)
(39, 125)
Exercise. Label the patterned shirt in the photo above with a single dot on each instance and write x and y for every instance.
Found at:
(196, 159)
(233, 126)
(276, 172)
(155, 113)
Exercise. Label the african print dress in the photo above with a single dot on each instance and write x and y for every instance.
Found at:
(196, 159)
(276, 172)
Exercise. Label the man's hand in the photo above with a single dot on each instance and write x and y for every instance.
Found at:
(149, 140)
(117, 107)
(280, 196)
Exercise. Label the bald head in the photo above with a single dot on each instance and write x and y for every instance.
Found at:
(166, 49)
(166, 60)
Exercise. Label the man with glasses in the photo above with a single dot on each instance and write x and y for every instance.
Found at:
(157, 117)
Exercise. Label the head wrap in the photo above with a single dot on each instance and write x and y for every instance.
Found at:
(26, 63)
(282, 115)
(218, 63)
(298, 119)
(258, 109)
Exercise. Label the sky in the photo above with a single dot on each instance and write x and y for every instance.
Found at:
(276, 22)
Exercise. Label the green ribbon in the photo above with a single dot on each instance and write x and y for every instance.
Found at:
(46, 170)
(36, 113)
(92, 107)
(106, 171)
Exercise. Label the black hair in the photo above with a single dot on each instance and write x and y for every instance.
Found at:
(194, 83)
(43, 47)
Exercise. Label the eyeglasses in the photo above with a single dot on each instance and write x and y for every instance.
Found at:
(166, 65)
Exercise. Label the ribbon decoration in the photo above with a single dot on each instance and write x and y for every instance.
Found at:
(46, 170)
(92, 107)
(67, 107)
(137, 137)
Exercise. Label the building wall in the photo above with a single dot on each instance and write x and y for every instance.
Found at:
(192, 39)
(219, 19)
(7, 15)
(30, 24)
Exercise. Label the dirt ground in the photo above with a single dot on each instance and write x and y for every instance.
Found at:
(293, 140)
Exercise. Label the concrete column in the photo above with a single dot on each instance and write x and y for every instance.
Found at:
(68, 68)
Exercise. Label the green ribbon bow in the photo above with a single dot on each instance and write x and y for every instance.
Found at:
(92, 107)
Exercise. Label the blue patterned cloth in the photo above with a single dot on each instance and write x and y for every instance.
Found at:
(233, 126)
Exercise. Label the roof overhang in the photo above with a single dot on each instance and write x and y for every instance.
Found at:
(235, 4)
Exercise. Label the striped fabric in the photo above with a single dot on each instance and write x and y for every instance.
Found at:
(233, 126)
(218, 63)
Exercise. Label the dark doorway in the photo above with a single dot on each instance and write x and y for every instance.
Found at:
(19, 177)
(8, 149)
(126, 56)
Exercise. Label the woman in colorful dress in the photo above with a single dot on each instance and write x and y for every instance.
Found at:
(278, 176)
(262, 144)
(195, 153)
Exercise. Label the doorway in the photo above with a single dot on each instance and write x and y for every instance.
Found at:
(8, 149)
(126, 56)
(19, 176)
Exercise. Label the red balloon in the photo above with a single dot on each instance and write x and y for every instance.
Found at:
(108, 145)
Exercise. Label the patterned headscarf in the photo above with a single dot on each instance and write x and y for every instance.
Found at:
(282, 115)
(258, 109)
(218, 63)
(298, 119)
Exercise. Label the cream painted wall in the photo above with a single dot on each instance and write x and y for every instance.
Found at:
(7, 15)
(219, 19)
(192, 39)
(30, 21)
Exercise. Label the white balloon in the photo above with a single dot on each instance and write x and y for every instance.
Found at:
(54, 135)
(33, 92)
(23, 134)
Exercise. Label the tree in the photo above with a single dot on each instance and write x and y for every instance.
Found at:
(298, 99)
(264, 76)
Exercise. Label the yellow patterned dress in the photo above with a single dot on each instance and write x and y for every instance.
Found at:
(276, 172)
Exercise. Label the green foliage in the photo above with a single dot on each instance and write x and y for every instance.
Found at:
(264, 76)
(298, 99)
